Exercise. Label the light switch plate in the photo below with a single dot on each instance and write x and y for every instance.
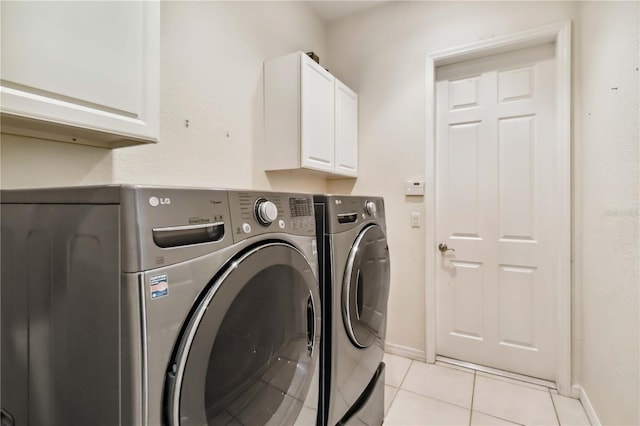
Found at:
(415, 219)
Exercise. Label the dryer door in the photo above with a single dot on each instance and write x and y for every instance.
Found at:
(248, 353)
(365, 289)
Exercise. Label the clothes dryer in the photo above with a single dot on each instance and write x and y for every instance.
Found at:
(355, 278)
(132, 305)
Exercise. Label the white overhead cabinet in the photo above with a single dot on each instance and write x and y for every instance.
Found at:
(82, 72)
(346, 143)
(311, 118)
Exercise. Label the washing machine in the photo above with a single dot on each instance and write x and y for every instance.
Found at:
(136, 305)
(354, 278)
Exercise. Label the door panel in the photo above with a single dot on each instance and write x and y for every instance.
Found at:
(318, 118)
(463, 93)
(346, 122)
(463, 164)
(517, 319)
(494, 205)
(516, 177)
(515, 84)
(467, 299)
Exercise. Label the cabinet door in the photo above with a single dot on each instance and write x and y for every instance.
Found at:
(317, 115)
(346, 139)
(87, 65)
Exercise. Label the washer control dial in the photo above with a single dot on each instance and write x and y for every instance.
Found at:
(370, 208)
(265, 211)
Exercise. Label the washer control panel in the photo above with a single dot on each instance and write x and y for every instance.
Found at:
(265, 211)
(255, 213)
(173, 224)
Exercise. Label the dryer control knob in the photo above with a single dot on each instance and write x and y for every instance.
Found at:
(370, 208)
(266, 212)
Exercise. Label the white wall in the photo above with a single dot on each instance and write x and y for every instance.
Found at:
(211, 75)
(608, 143)
(30, 163)
(381, 55)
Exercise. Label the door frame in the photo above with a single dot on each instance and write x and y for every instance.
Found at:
(560, 34)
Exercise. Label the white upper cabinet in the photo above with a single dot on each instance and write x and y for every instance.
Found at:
(83, 72)
(346, 123)
(311, 118)
(317, 113)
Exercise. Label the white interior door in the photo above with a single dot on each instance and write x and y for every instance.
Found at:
(496, 182)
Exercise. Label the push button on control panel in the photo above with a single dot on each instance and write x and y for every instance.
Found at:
(246, 228)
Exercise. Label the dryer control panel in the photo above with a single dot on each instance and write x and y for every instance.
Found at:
(256, 213)
(348, 211)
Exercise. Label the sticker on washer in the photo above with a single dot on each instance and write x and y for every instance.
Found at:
(159, 285)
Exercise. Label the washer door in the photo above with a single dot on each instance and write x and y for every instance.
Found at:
(365, 288)
(249, 350)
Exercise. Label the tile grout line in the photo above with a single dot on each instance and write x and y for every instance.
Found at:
(555, 410)
(472, 372)
(405, 374)
(475, 376)
(473, 395)
(395, 394)
(500, 418)
(434, 398)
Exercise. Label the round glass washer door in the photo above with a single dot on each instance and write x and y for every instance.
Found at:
(248, 352)
(365, 289)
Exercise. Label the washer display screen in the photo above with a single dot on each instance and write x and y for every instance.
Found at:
(300, 207)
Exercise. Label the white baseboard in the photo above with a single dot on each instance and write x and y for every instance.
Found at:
(578, 391)
(405, 351)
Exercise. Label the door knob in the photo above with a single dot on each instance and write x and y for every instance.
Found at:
(443, 248)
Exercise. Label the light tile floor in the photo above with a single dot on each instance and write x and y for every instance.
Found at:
(441, 394)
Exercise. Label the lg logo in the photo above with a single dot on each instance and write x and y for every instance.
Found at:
(155, 201)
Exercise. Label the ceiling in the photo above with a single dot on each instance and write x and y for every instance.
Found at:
(330, 10)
